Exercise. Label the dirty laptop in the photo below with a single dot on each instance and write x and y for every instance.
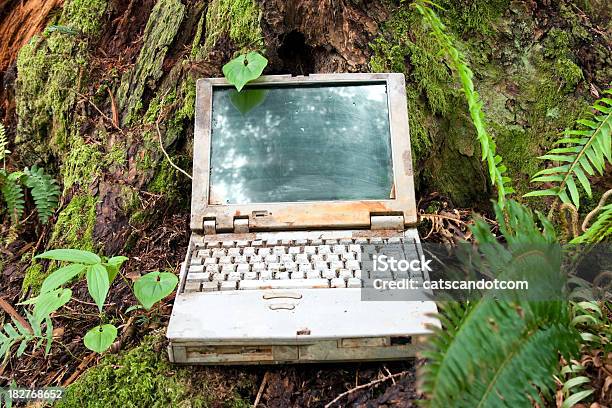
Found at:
(293, 178)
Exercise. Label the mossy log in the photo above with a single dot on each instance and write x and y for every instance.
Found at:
(84, 97)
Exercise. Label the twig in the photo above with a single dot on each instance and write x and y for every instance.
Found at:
(352, 390)
(161, 145)
(262, 387)
(15, 315)
(112, 122)
(389, 372)
(602, 201)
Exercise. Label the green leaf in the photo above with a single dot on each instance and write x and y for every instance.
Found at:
(61, 276)
(98, 284)
(100, 338)
(248, 99)
(113, 265)
(541, 193)
(49, 335)
(22, 347)
(244, 69)
(571, 185)
(154, 286)
(49, 302)
(575, 398)
(584, 181)
(71, 255)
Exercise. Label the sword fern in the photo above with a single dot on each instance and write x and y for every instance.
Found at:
(3, 144)
(584, 152)
(12, 192)
(497, 352)
(45, 192)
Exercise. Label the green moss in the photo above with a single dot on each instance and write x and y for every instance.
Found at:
(167, 181)
(82, 163)
(239, 19)
(85, 15)
(162, 27)
(569, 73)
(143, 377)
(75, 224)
(50, 70)
(34, 277)
(466, 16)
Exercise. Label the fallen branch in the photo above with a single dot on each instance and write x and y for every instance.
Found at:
(371, 383)
(6, 306)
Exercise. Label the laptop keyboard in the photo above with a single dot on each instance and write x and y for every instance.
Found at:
(282, 264)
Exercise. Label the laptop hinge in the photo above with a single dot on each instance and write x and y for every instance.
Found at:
(387, 222)
(241, 225)
(210, 227)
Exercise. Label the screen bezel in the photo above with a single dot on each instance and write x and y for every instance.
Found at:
(308, 214)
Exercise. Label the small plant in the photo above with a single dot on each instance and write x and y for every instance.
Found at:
(244, 68)
(16, 332)
(3, 145)
(584, 152)
(100, 272)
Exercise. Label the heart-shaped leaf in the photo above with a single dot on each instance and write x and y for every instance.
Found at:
(71, 255)
(248, 99)
(244, 68)
(153, 287)
(98, 284)
(100, 338)
(61, 276)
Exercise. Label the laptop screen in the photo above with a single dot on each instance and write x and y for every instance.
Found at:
(296, 143)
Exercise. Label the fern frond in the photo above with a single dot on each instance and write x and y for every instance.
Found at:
(45, 192)
(3, 143)
(496, 352)
(459, 63)
(600, 230)
(583, 152)
(12, 192)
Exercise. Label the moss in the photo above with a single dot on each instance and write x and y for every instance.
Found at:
(166, 181)
(143, 377)
(82, 163)
(85, 15)
(162, 27)
(33, 278)
(467, 16)
(50, 70)
(239, 19)
(75, 224)
(569, 73)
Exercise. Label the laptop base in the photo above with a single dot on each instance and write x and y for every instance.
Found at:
(274, 326)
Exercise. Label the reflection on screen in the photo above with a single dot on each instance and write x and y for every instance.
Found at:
(300, 143)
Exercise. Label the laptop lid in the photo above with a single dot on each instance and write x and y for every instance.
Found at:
(321, 151)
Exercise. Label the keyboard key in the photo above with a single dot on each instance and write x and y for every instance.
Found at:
(336, 265)
(233, 251)
(196, 268)
(279, 250)
(338, 283)
(199, 277)
(255, 259)
(265, 274)
(225, 260)
(353, 283)
(227, 268)
(294, 250)
(192, 286)
(309, 249)
(212, 268)
(240, 259)
(210, 261)
(298, 275)
(248, 251)
(313, 274)
(281, 275)
(323, 249)
(284, 284)
(210, 286)
(339, 249)
(218, 253)
(234, 276)
(242, 244)
(302, 259)
(228, 244)
(328, 274)
(249, 275)
(228, 285)
(264, 251)
(258, 267)
(305, 267)
(243, 268)
(345, 274)
(353, 265)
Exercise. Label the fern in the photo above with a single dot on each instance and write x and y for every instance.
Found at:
(585, 151)
(12, 192)
(45, 192)
(460, 65)
(14, 333)
(499, 353)
(3, 143)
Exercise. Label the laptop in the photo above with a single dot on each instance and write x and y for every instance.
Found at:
(292, 179)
